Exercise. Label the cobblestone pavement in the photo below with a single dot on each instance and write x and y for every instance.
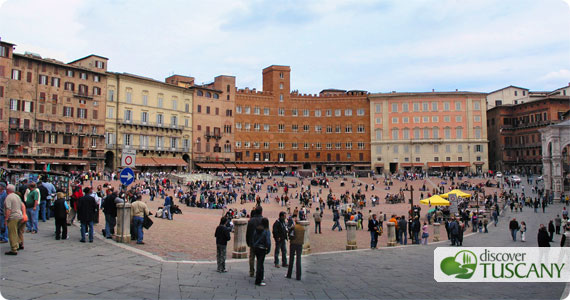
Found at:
(49, 269)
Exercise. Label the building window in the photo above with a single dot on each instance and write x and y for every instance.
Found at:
(395, 120)
(306, 112)
(281, 97)
(348, 112)
(360, 112)
(478, 148)
(281, 111)
(281, 86)
(317, 113)
(265, 145)
(458, 106)
(175, 104)
(70, 73)
(281, 128)
(447, 132)
(266, 111)
(294, 112)
(446, 106)
(458, 133)
(256, 110)
(110, 112)
(476, 105)
(405, 120)
(96, 91)
(16, 74)
(416, 120)
(361, 145)
(394, 107)
(160, 102)
(395, 134)
(111, 96)
(99, 64)
(328, 112)
(207, 110)
(379, 120)
(306, 146)
(306, 128)
(416, 106)
(348, 145)
(405, 107)
(434, 106)
(435, 119)
(360, 129)
(43, 80)
(348, 129)
(294, 127)
(266, 127)
(159, 120)
(83, 76)
(378, 108)
(247, 127)
(378, 134)
(478, 133)
(128, 115)
(459, 148)
(405, 133)
(318, 128)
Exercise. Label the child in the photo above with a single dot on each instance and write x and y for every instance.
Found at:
(222, 237)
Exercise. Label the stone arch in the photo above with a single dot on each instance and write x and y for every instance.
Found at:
(109, 161)
(555, 138)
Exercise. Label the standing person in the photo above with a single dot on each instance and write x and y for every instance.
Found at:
(3, 228)
(296, 249)
(75, 196)
(43, 201)
(336, 218)
(254, 221)
(523, 231)
(32, 197)
(14, 213)
(166, 210)
(262, 246)
(565, 240)
(403, 230)
(416, 228)
(60, 210)
(222, 236)
(551, 230)
(86, 208)
(373, 228)
(557, 223)
(110, 211)
(425, 234)
(485, 223)
(543, 238)
(318, 216)
(280, 237)
(138, 211)
(514, 227)
(495, 217)
(454, 232)
(51, 195)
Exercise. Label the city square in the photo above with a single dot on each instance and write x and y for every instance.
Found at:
(284, 150)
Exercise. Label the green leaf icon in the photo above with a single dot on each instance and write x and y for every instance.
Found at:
(462, 265)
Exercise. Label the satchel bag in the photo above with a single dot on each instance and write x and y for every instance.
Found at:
(147, 222)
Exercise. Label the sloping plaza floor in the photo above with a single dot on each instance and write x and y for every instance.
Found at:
(50, 269)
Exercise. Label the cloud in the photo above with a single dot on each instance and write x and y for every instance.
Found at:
(347, 44)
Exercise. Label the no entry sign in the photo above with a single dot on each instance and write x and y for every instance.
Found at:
(128, 158)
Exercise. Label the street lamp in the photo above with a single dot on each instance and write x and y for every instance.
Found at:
(412, 201)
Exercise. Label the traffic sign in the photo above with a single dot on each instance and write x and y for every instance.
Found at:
(127, 176)
(128, 158)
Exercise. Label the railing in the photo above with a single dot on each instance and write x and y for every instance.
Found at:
(152, 124)
(527, 125)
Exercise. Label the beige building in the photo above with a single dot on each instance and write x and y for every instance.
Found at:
(437, 131)
(152, 117)
(512, 95)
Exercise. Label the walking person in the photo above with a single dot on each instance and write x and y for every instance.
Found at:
(336, 218)
(318, 216)
(14, 211)
(296, 238)
(222, 236)
(262, 246)
(425, 234)
(86, 208)
(523, 231)
(557, 223)
(32, 196)
(280, 236)
(167, 205)
(373, 227)
(60, 210)
(254, 221)
(514, 227)
(551, 230)
(543, 238)
(3, 228)
(110, 211)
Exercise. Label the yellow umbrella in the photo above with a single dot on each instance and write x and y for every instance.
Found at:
(459, 193)
(435, 200)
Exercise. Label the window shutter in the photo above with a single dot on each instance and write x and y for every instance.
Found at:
(72, 112)
(41, 108)
(31, 106)
(18, 106)
(86, 115)
(95, 114)
(29, 77)
(1, 71)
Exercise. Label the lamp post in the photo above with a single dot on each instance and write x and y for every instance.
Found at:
(412, 201)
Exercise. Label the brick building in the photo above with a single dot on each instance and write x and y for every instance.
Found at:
(279, 129)
(51, 113)
(514, 137)
(213, 121)
(435, 131)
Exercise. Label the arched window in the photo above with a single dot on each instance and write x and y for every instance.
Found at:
(200, 93)
(216, 96)
(208, 95)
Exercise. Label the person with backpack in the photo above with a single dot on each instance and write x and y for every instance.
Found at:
(280, 236)
(222, 236)
(254, 221)
(318, 216)
(296, 238)
(261, 247)
(60, 210)
(32, 197)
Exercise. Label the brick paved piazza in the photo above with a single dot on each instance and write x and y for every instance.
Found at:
(190, 235)
(50, 269)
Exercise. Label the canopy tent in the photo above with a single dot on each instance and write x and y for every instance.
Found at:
(435, 200)
(459, 193)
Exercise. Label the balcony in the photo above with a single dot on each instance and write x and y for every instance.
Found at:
(527, 125)
(209, 135)
(80, 94)
(152, 125)
(20, 127)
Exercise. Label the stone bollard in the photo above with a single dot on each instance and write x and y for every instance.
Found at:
(351, 235)
(307, 240)
(436, 232)
(123, 231)
(240, 244)
(391, 227)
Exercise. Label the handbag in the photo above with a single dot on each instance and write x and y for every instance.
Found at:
(147, 222)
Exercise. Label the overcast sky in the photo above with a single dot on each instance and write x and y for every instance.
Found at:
(378, 46)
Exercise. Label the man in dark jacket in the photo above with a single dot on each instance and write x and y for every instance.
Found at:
(543, 238)
(44, 207)
(416, 227)
(373, 228)
(86, 208)
(110, 211)
(403, 230)
(222, 237)
(280, 237)
(514, 227)
(254, 221)
(60, 209)
(551, 230)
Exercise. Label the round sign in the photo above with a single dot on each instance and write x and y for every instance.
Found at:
(128, 160)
